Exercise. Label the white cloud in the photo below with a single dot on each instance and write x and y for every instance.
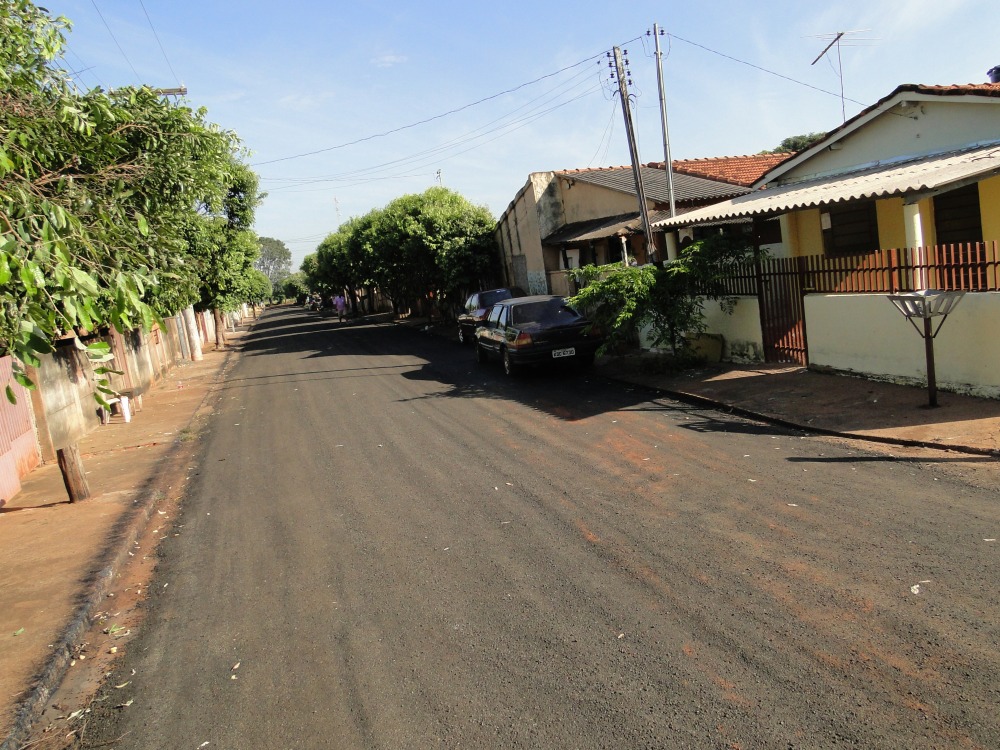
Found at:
(388, 61)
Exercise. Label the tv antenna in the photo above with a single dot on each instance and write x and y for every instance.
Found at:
(838, 39)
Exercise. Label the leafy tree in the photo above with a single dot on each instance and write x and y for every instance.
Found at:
(429, 245)
(294, 286)
(224, 244)
(796, 143)
(274, 259)
(98, 192)
(259, 287)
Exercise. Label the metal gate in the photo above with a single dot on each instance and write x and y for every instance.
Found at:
(18, 445)
(782, 309)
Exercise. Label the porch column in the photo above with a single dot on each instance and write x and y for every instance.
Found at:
(672, 250)
(915, 240)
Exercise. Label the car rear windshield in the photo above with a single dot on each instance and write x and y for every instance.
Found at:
(548, 313)
(491, 298)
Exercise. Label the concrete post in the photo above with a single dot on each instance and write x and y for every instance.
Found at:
(194, 336)
(915, 240)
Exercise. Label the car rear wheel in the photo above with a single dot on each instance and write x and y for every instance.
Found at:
(508, 366)
(463, 337)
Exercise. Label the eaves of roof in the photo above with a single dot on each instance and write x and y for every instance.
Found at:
(595, 229)
(904, 91)
(912, 179)
(687, 188)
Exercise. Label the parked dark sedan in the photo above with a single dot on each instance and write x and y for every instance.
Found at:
(535, 330)
(476, 308)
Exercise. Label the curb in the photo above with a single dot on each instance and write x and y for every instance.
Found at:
(128, 530)
(696, 400)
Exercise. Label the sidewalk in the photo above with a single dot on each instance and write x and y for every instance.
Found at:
(62, 561)
(64, 564)
(851, 407)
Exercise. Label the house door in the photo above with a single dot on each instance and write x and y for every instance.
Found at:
(18, 446)
(782, 310)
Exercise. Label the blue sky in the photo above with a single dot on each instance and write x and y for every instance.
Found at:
(347, 80)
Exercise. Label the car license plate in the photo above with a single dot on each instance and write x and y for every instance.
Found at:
(569, 352)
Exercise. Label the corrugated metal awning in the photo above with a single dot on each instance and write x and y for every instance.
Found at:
(596, 229)
(912, 179)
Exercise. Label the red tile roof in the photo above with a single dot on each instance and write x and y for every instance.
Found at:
(736, 170)
(960, 89)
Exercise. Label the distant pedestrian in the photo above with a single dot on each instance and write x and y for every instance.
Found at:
(341, 304)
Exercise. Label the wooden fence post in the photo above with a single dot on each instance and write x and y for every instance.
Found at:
(73, 475)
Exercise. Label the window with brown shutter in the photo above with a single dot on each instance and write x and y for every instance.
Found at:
(957, 217)
(850, 229)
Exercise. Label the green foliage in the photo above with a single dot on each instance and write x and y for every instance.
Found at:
(619, 299)
(295, 286)
(99, 193)
(667, 300)
(796, 143)
(259, 287)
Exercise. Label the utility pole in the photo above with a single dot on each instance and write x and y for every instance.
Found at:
(668, 164)
(634, 153)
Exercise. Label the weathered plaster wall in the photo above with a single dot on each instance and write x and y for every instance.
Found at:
(584, 202)
(548, 203)
(741, 332)
(65, 381)
(519, 233)
(868, 335)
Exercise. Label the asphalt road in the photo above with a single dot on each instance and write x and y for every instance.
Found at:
(400, 548)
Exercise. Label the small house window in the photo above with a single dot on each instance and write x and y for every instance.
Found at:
(767, 232)
(957, 217)
(850, 229)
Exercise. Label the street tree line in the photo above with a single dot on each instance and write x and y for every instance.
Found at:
(117, 207)
(422, 251)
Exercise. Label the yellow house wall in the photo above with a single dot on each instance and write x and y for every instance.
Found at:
(804, 234)
(989, 205)
(891, 227)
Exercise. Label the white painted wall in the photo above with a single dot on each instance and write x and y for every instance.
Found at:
(741, 334)
(866, 334)
(742, 340)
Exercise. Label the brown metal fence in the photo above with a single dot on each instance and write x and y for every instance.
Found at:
(971, 267)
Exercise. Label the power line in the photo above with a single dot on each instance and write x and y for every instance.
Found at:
(430, 119)
(470, 136)
(428, 158)
(138, 78)
(758, 67)
(157, 37)
(605, 136)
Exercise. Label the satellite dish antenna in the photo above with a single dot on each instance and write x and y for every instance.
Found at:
(837, 39)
